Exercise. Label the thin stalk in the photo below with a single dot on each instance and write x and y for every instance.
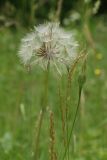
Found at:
(44, 105)
(53, 154)
(89, 37)
(62, 117)
(70, 76)
(81, 81)
(59, 8)
(73, 124)
(68, 98)
(67, 106)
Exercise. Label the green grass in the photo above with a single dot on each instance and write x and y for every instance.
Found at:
(19, 89)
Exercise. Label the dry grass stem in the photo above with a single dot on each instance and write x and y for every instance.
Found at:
(59, 8)
(62, 117)
(89, 37)
(82, 55)
(53, 155)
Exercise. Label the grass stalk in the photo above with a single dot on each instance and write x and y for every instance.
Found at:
(44, 105)
(68, 98)
(62, 116)
(53, 155)
(81, 81)
(59, 8)
(68, 95)
(73, 124)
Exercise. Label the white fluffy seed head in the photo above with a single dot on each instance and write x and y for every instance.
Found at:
(48, 43)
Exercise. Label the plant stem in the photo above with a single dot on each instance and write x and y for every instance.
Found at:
(44, 105)
(62, 116)
(59, 8)
(73, 124)
(67, 106)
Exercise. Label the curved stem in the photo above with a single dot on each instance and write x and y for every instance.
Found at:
(73, 124)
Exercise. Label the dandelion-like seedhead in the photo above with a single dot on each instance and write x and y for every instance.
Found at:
(48, 44)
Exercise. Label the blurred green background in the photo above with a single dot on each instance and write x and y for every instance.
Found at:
(20, 91)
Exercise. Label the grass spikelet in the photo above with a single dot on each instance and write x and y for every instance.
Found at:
(53, 155)
(62, 111)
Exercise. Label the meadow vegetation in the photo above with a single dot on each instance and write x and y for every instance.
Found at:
(22, 94)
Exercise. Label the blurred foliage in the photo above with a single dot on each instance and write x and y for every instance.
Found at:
(30, 12)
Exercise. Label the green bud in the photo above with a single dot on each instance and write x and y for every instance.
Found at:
(81, 79)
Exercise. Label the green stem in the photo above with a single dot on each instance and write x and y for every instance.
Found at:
(67, 106)
(44, 105)
(62, 116)
(59, 8)
(73, 124)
